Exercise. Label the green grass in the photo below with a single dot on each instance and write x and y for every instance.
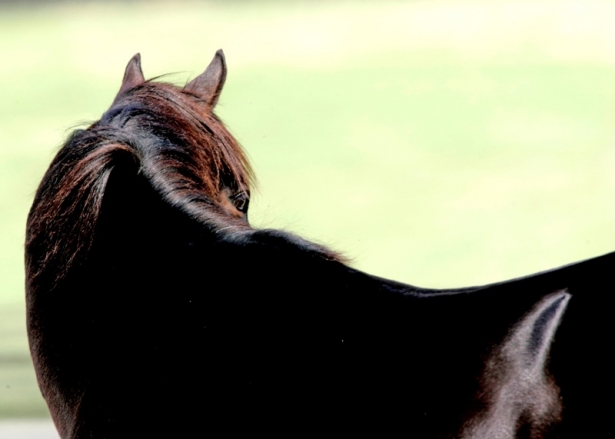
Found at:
(438, 143)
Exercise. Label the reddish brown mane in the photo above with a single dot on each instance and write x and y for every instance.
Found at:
(168, 135)
(194, 155)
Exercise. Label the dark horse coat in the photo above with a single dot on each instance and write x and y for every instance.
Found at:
(156, 310)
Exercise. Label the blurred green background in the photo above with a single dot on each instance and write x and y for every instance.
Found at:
(440, 143)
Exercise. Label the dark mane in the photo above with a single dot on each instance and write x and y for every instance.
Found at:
(157, 130)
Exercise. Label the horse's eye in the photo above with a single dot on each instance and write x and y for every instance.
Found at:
(241, 202)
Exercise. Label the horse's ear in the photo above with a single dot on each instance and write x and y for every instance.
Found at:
(208, 84)
(133, 75)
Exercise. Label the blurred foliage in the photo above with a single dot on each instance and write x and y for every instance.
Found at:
(436, 142)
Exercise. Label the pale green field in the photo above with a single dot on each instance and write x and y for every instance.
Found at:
(440, 143)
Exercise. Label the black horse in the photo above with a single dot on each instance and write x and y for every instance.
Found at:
(156, 310)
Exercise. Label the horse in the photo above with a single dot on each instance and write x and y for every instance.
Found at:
(154, 308)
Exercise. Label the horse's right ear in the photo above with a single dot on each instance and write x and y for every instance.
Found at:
(208, 84)
(133, 75)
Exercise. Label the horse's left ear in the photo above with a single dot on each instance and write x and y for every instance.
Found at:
(208, 84)
(133, 75)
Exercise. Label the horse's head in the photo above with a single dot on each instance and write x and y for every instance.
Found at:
(188, 153)
(163, 135)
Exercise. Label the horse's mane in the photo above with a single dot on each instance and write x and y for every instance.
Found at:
(166, 135)
(155, 129)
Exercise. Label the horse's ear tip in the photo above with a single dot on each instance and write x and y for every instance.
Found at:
(220, 53)
(133, 74)
(136, 59)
